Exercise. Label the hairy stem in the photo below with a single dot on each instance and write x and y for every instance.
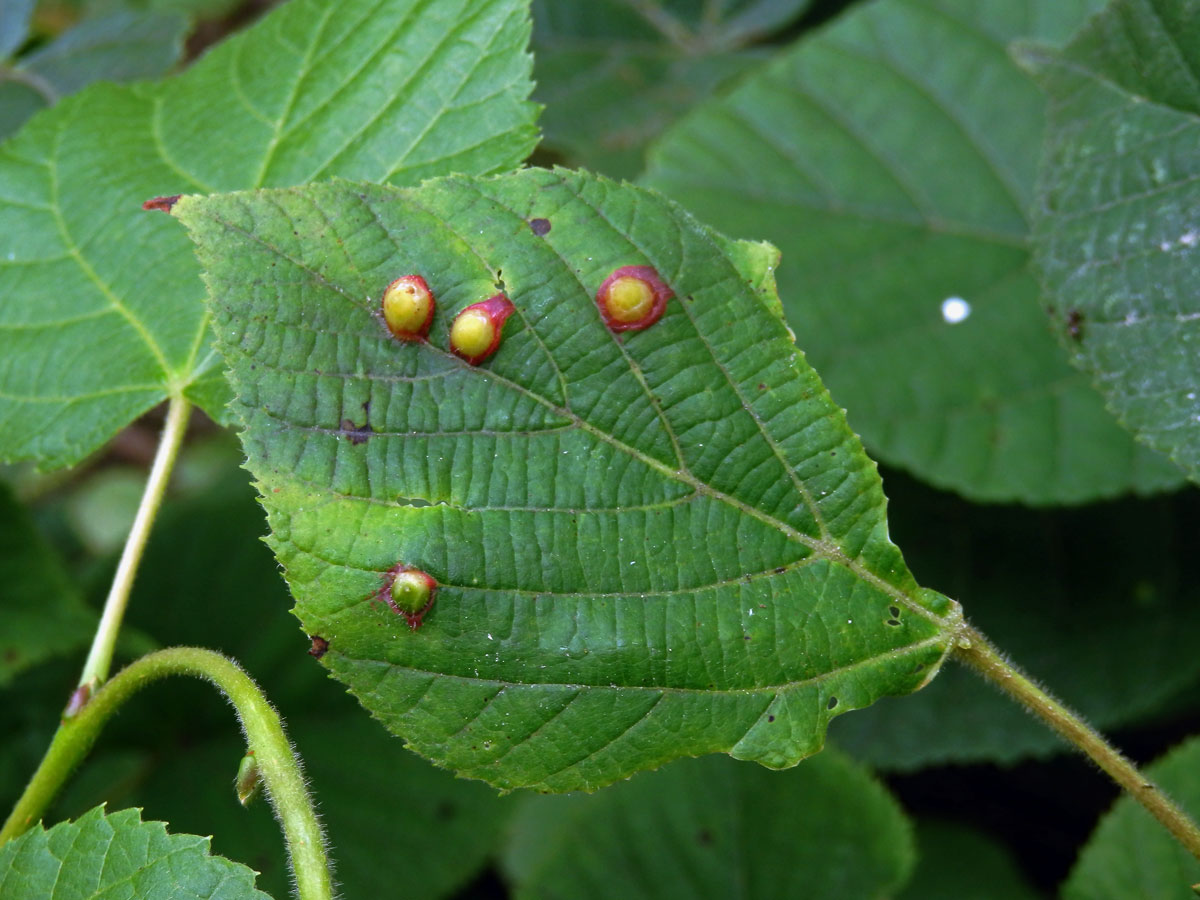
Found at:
(977, 652)
(278, 764)
(99, 659)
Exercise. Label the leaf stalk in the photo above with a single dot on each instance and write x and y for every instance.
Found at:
(278, 763)
(99, 659)
(975, 651)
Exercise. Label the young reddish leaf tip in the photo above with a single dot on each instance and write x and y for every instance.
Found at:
(475, 334)
(632, 298)
(409, 592)
(162, 204)
(408, 307)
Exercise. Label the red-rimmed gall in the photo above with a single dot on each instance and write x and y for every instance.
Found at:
(632, 298)
(475, 334)
(409, 592)
(408, 307)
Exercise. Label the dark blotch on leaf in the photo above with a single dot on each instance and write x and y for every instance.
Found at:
(539, 227)
(833, 702)
(319, 646)
(704, 837)
(1075, 325)
(356, 434)
(162, 204)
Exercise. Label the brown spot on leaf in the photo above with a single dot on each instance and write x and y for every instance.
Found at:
(319, 646)
(539, 227)
(161, 204)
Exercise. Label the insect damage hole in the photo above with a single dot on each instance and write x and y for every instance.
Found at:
(475, 334)
(407, 306)
(632, 298)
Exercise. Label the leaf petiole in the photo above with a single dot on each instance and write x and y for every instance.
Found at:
(99, 659)
(278, 764)
(975, 651)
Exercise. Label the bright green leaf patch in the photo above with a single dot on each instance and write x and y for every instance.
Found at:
(892, 157)
(1132, 855)
(650, 545)
(711, 828)
(1117, 229)
(117, 855)
(103, 316)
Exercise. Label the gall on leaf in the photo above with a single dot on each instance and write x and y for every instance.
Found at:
(475, 334)
(407, 306)
(632, 298)
(409, 592)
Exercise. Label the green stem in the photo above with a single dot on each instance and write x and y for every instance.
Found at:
(977, 652)
(99, 659)
(278, 763)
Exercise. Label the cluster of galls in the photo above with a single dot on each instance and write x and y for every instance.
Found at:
(630, 299)
(408, 307)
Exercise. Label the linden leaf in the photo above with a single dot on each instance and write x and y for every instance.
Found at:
(614, 74)
(710, 828)
(1117, 230)
(103, 314)
(648, 544)
(117, 855)
(892, 156)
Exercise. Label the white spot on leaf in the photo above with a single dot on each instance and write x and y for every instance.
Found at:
(955, 310)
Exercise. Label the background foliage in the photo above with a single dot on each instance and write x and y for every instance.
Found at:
(1036, 454)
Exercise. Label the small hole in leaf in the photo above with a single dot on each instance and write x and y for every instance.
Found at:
(833, 702)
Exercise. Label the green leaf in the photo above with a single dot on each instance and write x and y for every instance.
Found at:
(664, 545)
(1114, 590)
(892, 158)
(40, 605)
(117, 855)
(104, 317)
(121, 46)
(15, 16)
(1118, 239)
(955, 862)
(715, 828)
(1130, 854)
(613, 74)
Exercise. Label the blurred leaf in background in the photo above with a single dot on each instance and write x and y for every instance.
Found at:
(614, 74)
(892, 156)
